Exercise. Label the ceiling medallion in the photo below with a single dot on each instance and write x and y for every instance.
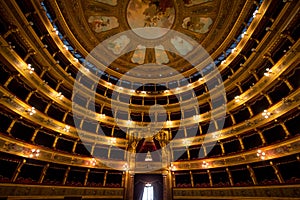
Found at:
(150, 14)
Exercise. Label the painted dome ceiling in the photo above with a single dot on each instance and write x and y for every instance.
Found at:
(208, 22)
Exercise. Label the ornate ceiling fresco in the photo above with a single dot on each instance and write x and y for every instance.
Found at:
(208, 22)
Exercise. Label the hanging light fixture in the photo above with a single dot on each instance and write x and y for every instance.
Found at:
(148, 157)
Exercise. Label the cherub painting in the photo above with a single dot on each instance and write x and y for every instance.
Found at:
(151, 13)
(197, 24)
(103, 23)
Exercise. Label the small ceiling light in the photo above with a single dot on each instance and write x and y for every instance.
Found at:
(223, 62)
(75, 59)
(166, 91)
(266, 114)
(143, 92)
(169, 122)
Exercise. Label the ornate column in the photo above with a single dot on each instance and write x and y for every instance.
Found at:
(210, 178)
(277, 172)
(261, 136)
(105, 177)
(130, 186)
(86, 177)
(192, 178)
(252, 174)
(229, 176)
(43, 173)
(66, 175)
(166, 187)
(18, 170)
(287, 133)
(241, 142)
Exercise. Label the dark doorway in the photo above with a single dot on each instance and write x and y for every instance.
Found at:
(142, 182)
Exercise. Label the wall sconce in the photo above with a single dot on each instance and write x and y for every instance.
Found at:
(113, 141)
(169, 122)
(196, 117)
(31, 111)
(129, 122)
(102, 116)
(233, 50)
(238, 99)
(55, 30)
(261, 154)
(30, 23)
(126, 167)
(268, 72)
(172, 167)
(30, 69)
(93, 162)
(10, 46)
(266, 114)
(66, 47)
(205, 164)
(60, 95)
(34, 153)
(244, 34)
(255, 13)
(67, 129)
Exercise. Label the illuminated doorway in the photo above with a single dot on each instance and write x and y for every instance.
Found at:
(148, 192)
(148, 187)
